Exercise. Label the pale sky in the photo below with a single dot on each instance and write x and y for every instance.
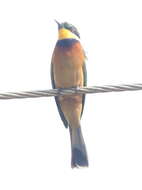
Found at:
(34, 145)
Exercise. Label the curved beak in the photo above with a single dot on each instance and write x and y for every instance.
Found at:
(59, 25)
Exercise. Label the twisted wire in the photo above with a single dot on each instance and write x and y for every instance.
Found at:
(69, 91)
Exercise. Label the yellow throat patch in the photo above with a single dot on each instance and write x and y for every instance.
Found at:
(66, 34)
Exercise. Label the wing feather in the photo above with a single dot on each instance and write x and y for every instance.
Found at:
(85, 84)
(57, 100)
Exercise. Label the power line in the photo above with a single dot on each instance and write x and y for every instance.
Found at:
(69, 91)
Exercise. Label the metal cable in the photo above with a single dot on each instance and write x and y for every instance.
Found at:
(69, 91)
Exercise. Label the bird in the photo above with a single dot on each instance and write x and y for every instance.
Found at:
(68, 70)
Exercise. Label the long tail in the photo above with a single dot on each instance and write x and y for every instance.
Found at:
(79, 153)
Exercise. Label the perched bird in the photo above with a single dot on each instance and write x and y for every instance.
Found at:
(68, 70)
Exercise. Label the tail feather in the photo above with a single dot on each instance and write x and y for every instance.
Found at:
(79, 153)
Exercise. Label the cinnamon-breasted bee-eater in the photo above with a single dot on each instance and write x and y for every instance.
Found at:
(68, 70)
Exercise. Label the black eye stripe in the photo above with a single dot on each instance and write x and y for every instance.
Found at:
(70, 27)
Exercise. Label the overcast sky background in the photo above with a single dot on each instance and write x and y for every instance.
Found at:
(34, 145)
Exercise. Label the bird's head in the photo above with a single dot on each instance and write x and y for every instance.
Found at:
(67, 31)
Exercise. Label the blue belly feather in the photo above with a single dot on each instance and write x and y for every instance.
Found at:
(66, 42)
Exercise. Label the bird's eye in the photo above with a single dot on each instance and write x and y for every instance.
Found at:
(71, 28)
(67, 26)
